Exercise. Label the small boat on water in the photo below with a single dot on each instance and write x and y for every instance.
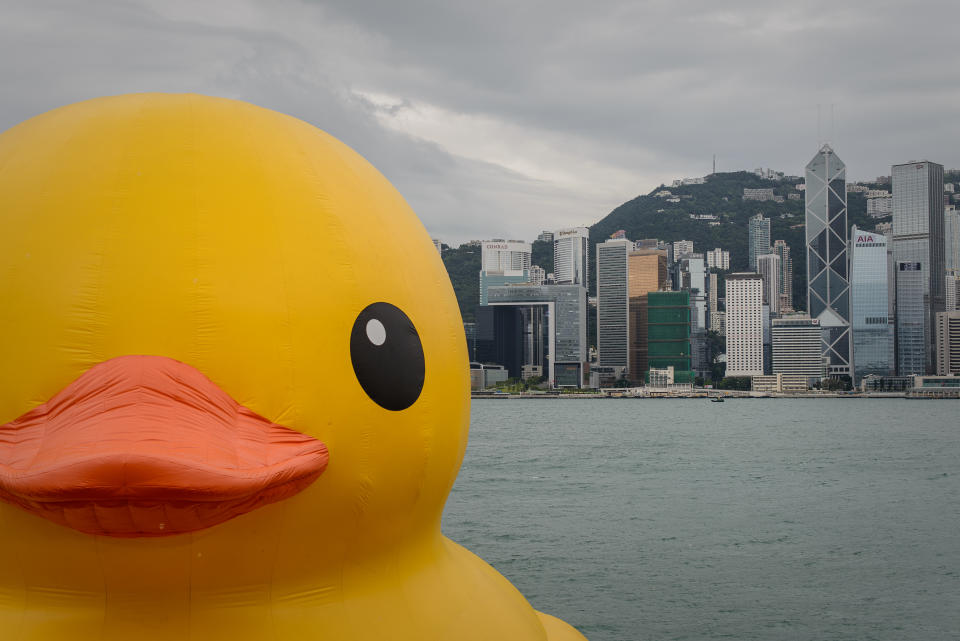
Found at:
(716, 399)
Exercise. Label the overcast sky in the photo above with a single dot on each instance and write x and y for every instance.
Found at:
(501, 119)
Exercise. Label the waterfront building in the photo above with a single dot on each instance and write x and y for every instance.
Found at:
(613, 303)
(718, 259)
(919, 265)
(781, 249)
(828, 290)
(681, 248)
(948, 343)
(758, 239)
(768, 266)
(483, 375)
(571, 253)
(796, 347)
(503, 262)
(554, 320)
(873, 345)
(668, 335)
(744, 324)
(499, 338)
(780, 383)
(646, 272)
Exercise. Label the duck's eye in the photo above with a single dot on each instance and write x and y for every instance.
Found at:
(387, 356)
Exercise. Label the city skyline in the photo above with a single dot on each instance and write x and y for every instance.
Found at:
(523, 117)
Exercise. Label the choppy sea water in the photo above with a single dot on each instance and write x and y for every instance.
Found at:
(832, 519)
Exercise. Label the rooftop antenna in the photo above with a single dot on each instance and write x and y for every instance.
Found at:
(714, 163)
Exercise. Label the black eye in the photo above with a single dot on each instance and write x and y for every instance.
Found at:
(387, 356)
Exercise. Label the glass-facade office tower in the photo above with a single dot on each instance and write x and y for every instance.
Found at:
(918, 255)
(571, 256)
(612, 303)
(872, 329)
(758, 239)
(828, 290)
(565, 311)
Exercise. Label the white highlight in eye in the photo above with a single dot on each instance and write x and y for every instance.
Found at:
(376, 332)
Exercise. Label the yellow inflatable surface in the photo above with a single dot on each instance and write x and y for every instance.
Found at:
(233, 389)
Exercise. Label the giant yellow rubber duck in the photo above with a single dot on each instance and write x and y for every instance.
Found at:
(233, 389)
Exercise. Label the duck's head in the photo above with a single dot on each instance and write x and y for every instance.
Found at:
(204, 304)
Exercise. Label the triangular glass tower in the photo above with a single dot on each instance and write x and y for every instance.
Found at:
(828, 283)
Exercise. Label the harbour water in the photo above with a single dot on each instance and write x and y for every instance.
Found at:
(833, 519)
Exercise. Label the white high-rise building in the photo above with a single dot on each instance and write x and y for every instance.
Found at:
(768, 266)
(718, 259)
(796, 346)
(502, 256)
(503, 262)
(571, 256)
(744, 324)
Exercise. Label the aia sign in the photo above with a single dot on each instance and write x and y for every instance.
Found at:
(864, 238)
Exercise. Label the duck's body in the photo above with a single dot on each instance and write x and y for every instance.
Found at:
(240, 259)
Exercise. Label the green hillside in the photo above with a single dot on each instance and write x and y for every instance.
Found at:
(649, 216)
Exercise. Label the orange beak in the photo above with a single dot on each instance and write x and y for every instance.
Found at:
(149, 446)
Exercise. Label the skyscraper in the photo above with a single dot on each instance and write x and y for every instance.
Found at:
(503, 262)
(872, 329)
(571, 256)
(781, 249)
(758, 229)
(744, 324)
(646, 272)
(919, 266)
(612, 303)
(796, 346)
(768, 266)
(828, 290)
(668, 334)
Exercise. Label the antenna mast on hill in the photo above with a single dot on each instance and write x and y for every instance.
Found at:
(714, 163)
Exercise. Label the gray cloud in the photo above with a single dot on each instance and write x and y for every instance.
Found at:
(502, 119)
